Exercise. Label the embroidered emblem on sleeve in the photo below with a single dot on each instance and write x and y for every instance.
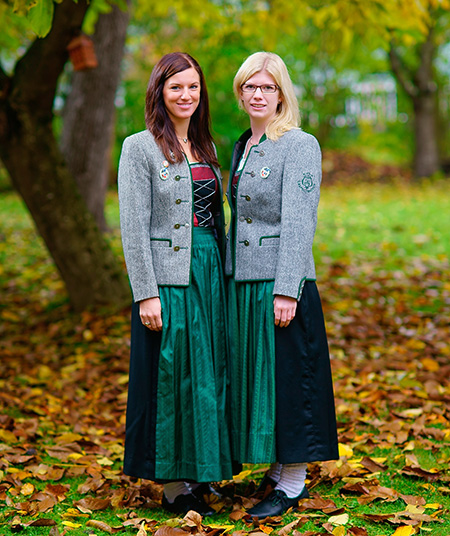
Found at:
(265, 172)
(307, 183)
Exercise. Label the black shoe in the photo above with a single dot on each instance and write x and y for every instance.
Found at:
(205, 488)
(183, 503)
(266, 486)
(276, 504)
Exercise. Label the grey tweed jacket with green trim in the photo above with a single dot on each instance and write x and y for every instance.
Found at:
(157, 217)
(275, 215)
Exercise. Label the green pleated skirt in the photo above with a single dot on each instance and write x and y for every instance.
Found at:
(177, 422)
(282, 401)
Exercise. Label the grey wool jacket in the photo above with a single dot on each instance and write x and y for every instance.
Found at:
(275, 214)
(157, 216)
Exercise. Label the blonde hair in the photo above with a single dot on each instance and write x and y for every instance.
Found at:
(288, 114)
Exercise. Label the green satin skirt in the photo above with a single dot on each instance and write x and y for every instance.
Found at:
(177, 412)
(252, 371)
(191, 431)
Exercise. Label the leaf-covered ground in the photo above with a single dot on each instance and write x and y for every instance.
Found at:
(382, 251)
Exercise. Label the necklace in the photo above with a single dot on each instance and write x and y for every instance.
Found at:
(185, 140)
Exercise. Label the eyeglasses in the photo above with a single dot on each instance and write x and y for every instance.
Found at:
(266, 88)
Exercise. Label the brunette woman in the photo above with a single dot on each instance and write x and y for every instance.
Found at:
(281, 386)
(172, 232)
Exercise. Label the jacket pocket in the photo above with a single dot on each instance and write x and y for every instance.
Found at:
(160, 243)
(269, 241)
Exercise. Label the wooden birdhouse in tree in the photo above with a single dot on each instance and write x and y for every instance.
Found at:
(82, 53)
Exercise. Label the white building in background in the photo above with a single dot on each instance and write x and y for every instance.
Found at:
(373, 101)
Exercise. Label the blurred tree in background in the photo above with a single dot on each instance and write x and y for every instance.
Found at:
(330, 50)
(29, 150)
(371, 76)
(90, 108)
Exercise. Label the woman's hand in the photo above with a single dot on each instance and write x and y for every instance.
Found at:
(150, 313)
(284, 308)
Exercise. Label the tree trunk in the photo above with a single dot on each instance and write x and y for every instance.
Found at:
(29, 151)
(421, 88)
(89, 114)
(426, 154)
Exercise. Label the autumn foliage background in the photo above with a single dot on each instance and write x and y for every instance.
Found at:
(382, 251)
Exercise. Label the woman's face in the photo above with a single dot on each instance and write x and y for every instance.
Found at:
(181, 94)
(260, 106)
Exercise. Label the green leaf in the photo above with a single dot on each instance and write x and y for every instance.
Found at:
(41, 17)
(96, 8)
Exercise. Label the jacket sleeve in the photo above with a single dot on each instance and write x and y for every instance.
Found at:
(134, 186)
(302, 175)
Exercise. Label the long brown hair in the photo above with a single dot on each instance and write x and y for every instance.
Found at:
(158, 120)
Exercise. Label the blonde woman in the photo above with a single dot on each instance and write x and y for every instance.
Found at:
(281, 387)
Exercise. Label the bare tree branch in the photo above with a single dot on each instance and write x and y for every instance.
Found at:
(400, 72)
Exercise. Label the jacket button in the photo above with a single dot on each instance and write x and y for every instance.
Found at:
(241, 218)
(178, 201)
(177, 177)
(246, 243)
(252, 174)
(249, 220)
(176, 248)
(248, 198)
(177, 226)
(186, 224)
(261, 153)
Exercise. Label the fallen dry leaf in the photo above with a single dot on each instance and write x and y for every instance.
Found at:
(404, 531)
(339, 520)
(165, 530)
(101, 525)
(91, 503)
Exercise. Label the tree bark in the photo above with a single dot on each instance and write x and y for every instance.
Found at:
(426, 154)
(421, 89)
(88, 118)
(426, 160)
(30, 153)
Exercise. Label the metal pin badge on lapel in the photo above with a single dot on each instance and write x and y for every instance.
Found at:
(265, 172)
(164, 172)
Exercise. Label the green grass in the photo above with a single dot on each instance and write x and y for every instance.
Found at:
(390, 223)
(375, 244)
